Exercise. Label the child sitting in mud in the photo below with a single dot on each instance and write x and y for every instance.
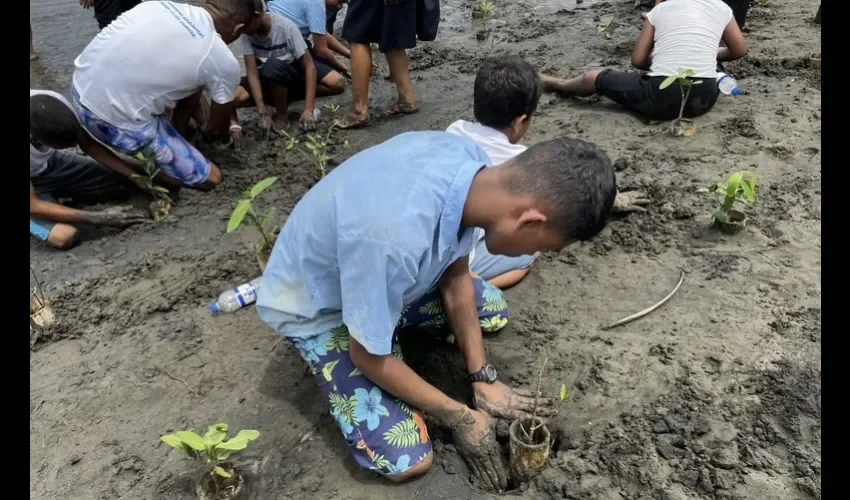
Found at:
(391, 251)
(99, 177)
(156, 59)
(505, 97)
(676, 35)
(279, 69)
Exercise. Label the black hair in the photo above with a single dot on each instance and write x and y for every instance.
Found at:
(505, 89)
(238, 11)
(573, 179)
(52, 122)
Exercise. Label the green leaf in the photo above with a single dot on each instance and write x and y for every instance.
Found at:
(141, 157)
(173, 441)
(160, 189)
(687, 73)
(240, 442)
(564, 393)
(194, 441)
(262, 186)
(215, 434)
(267, 219)
(221, 472)
(720, 215)
(668, 81)
(238, 215)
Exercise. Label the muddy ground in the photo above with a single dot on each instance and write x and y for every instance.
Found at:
(714, 396)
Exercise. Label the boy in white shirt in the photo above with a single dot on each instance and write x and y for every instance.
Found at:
(677, 35)
(156, 59)
(506, 93)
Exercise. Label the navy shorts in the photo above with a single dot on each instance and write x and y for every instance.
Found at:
(290, 75)
(392, 27)
(641, 93)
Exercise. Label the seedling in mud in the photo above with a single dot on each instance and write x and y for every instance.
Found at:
(318, 147)
(161, 205)
(332, 108)
(41, 313)
(529, 427)
(222, 480)
(246, 213)
(606, 26)
(739, 189)
(685, 78)
(484, 9)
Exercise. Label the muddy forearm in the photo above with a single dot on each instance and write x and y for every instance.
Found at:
(395, 377)
(54, 212)
(337, 47)
(458, 293)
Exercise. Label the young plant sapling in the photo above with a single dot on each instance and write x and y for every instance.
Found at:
(221, 479)
(246, 213)
(685, 78)
(606, 26)
(739, 189)
(484, 9)
(318, 148)
(332, 108)
(41, 313)
(162, 203)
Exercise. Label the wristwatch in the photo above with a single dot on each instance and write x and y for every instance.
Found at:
(487, 374)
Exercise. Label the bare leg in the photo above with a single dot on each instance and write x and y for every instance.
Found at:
(582, 86)
(332, 84)
(361, 73)
(400, 70)
(281, 104)
(185, 109)
(33, 54)
(509, 279)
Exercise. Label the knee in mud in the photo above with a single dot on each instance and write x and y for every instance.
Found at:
(415, 471)
(335, 83)
(63, 236)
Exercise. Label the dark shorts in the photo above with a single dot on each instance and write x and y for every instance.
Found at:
(641, 93)
(78, 178)
(392, 27)
(289, 75)
(106, 11)
(739, 10)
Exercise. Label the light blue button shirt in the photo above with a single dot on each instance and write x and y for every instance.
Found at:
(308, 15)
(371, 237)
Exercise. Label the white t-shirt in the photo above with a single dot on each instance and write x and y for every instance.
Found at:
(149, 58)
(495, 144)
(687, 34)
(39, 156)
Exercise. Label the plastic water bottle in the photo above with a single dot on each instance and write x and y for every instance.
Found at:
(237, 298)
(727, 84)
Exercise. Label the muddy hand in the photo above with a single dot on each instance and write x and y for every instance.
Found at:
(236, 137)
(87, 4)
(475, 442)
(630, 201)
(501, 401)
(119, 216)
(307, 123)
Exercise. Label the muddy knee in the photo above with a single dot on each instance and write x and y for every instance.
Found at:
(415, 471)
(334, 83)
(63, 236)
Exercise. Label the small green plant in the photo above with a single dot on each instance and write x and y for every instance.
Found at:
(246, 213)
(212, 450)
(162, 204)
(535, 423)
(685, 78)
(739, 188)
(484, 9)
(332, 108)
(764, 3)
(318, 147)
(606, 26)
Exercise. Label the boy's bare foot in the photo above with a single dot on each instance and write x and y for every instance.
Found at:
(352, 120)
(401, 108)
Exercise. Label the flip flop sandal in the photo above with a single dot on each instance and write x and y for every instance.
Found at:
(400, 109)
(348, 122)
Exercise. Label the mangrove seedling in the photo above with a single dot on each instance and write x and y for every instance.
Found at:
(739, 189)
(606, 26)
(221, 480)
(41, 313)
(162, 204)
(318, 147)
(484, 9)
(246, 212)
(332, 108)
(685, 78)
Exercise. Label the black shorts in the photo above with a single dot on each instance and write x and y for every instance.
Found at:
(290, 75)
(739, 10)
(392, 27)
(106, 11)
(641, 93)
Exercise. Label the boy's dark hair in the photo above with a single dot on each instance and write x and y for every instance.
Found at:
(238, 11)
(574, 179)
(52, 122)
(505, 88)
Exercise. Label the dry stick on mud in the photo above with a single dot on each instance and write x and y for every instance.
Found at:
(640, 314)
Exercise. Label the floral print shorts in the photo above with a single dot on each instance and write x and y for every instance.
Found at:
(383, 433)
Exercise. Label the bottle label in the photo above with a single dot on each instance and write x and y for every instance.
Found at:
(245, 294)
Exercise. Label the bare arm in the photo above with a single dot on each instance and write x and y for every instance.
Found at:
(219, 118)
(320, 46)
(736, 46)
(54, 212)
(310, 76)
(642, 53)
(458, 295)
(105, 156)
(256, 87)
(336, 46)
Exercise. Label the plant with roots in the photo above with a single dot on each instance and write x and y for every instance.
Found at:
(685, 78)
(162, 204)
(212, 450)
(246, 213)
(606, 26)
(739, 189)
(529, 426)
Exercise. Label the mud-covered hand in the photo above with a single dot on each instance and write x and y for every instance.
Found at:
(501, 401)
(87, 4)
(266, 125)
(307, 122)
(630, 201)
(475, 442)
(118, 216)
(236, 137)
